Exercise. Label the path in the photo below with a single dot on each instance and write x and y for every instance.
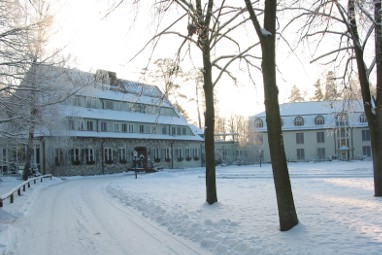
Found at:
(79, 217)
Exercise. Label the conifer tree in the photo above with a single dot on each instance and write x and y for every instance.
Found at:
(295, 95)
(318, 96)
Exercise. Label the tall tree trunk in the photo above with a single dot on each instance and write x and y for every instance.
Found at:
(374, 115)
(378, 54)
(204, 43)
(287, 212)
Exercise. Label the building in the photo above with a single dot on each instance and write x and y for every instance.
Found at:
(316, 131)
(108, 125)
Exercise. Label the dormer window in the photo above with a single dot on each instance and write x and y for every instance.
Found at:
(299, 121)
(362, 118)
(319, 120)
(259, 123)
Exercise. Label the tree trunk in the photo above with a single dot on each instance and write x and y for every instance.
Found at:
(374, 115)
(287, 212)
(208, 87)
(28, 155)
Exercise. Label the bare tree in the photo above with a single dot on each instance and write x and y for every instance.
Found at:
(24, 52)
(356, 28)
(267, 36)
(206, 26)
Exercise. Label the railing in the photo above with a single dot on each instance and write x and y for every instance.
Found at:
(22, 186)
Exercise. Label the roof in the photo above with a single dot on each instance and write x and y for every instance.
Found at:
(318, 107)
(308, 111)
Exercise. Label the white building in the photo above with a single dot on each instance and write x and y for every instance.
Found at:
(316, 131)
(109, 125)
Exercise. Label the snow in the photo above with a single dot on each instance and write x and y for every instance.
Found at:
(165, 213)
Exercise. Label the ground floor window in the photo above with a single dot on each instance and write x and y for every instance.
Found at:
(156, 154)
(122, 155)
(59, 157)
(300, 154)
(321, 153)
(196, 154)
(108, 155)
(76, 156)
(89, 152)
(366, 151)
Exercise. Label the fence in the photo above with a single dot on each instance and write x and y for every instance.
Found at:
(21, 187)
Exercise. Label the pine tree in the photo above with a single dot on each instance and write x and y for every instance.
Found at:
(295, 95)
(318, 96)
(330, 87)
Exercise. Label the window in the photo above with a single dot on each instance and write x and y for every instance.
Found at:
(259, 123)
(89, 125)
(71, 125)
(116, 127)
(103, 126)
(366, 135)
(141, 128)
(173, 131)
(342, 119)
(187, 153)
(178, 131)
(195, 154)
(90, 155)
(362, 118)
(168, 155)
(131, 128)
(184, 131)
(164, 130)
(157, 156)
(122, 155)
(299, 121)
(321, 153)
(300, 154)
(124, 128)
(58, 157)
(299, 138)
(109, 105)
(320, 137)
(76, 156)
(366, 151)
(179, 153)
(108, 155)
(319, 120)
(259, 139)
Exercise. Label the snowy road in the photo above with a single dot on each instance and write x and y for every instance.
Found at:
(79, 217)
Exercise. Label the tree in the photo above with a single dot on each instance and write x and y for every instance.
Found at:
(209, 25)
(295, 95)
(357, 28)
(318, 96)
(267, 36)
(22, 93)
(330, 87)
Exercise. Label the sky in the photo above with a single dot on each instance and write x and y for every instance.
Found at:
(118, 214)
(96, 42)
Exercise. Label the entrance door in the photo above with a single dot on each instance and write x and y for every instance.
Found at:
(141, 156)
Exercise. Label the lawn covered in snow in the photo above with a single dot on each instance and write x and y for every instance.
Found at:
(335, 205)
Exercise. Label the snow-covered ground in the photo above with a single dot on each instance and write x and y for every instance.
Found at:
(165, 213)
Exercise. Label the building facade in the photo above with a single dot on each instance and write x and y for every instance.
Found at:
(316, 131)
(109, 125)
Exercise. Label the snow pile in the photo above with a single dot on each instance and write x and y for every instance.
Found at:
(336, 208)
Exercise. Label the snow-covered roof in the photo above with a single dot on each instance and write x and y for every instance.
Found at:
(102, 114)
(318, 108)
(308, 111)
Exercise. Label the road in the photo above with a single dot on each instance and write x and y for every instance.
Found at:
(79, 217)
